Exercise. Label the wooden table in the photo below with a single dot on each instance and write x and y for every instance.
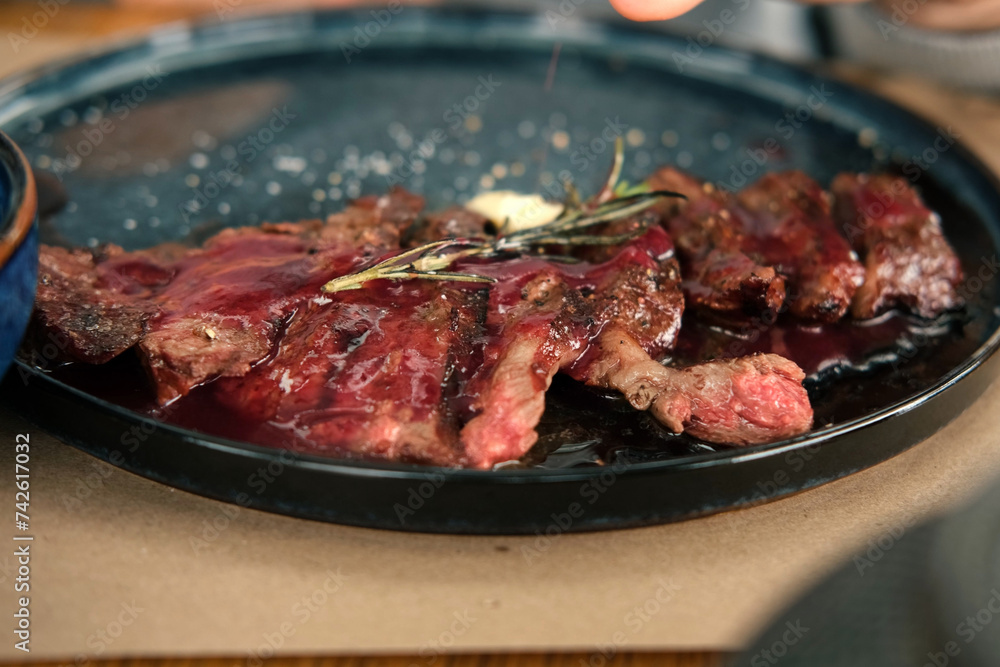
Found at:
(77, 27)
(492, 660)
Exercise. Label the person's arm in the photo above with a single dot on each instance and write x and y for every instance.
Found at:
(954, 15)
(956, 41)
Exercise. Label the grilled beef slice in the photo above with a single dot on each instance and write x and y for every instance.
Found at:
(369, 373)
(908, 262)
(196, 314)
(738, 401)
(789, 225)
(722, 272)
(97, 302)
(606, 325)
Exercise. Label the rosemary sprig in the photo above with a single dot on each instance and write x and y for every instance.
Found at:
(614, 201)
(420, 262)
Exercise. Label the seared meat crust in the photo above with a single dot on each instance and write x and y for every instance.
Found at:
(723, 274)
(908, 262)
(791, 227)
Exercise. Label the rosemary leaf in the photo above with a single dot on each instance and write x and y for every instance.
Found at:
(614, 201)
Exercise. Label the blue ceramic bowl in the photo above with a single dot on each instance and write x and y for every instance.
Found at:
(18, 247)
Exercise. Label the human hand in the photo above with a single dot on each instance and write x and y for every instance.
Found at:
(938, 14)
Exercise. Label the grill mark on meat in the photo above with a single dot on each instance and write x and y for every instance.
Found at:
(522, 354)
(722, 274)
(388, 401)
(908, 262)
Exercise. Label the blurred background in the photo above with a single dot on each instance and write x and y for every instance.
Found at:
(953, 42)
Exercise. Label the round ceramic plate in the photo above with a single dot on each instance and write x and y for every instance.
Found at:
(316, 108)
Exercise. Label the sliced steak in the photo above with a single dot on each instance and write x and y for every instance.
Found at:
(375, 221)
(229, 300)
(743, 401)
(418, 370)
(789, 225)
(907, 259)
(722, 272)
(606, 325)
(225, 306)
(369, 373)
(96, 303)
(505, 396)
(637, 313)
(543, 318)
(196, 314)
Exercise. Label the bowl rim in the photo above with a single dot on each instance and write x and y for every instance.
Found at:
(19, 218)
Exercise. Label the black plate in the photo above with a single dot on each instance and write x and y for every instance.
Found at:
(175, 102)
